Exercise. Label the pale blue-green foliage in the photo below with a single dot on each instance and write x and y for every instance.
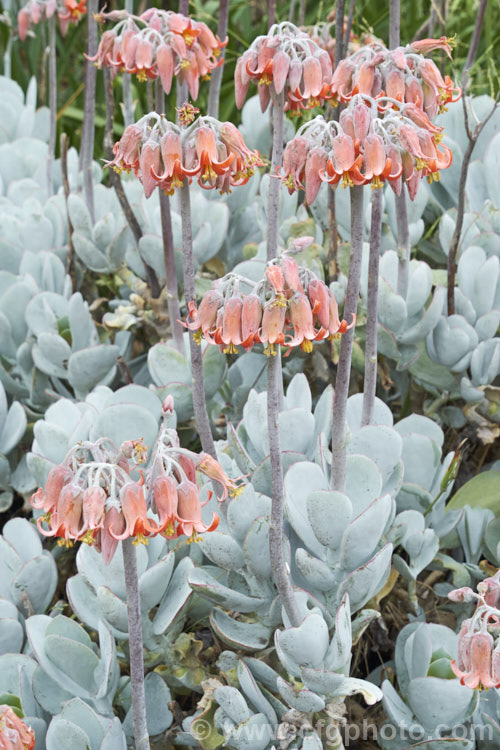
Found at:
(97, 592)
(129, 413)
(466, 342)
(28, 579)
(483, 176)
(171, 373)
(48, 337)
(430, 702)
(404, 322)
(259, 701)
(13, 423)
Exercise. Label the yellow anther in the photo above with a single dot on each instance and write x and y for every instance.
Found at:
(306, 346)
(194, 538)
(141, 76)
(377, 183)
(65, 543)
(169, 529)
(270, 350)
(139, 539)
(346, 180)
(197, 336)
(236, 491)
(280, 301)
(230, 349)
(88, 538)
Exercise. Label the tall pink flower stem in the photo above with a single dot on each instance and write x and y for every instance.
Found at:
(216, 77)
(281, 576)
(370, 383)
(273, 198)
(338, 475)
(198, 380)
(174, 311)
(128, 104)
(52, 104)
(141, 735)
(87, 145)
(404, 245)
(182, 89)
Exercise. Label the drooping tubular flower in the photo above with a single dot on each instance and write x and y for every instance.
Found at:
(160, 43)
(172, 488)
(163, 154)
(403, 74)
(290, 306)
(14, 733)
(91, 497)
(67, 11)
(289, 60)
(370, 144)
(478, 662)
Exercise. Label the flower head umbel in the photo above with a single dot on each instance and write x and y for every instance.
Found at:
(67, 11)
(375, 141)
(478, 662)
(14, 734)
(290, 306)
(163, 154)
(403, 74)
(173, 491)
(92, 497)
(160, 43)
(289, 60)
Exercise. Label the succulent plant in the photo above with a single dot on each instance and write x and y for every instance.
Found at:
(171, 373)
(431, 702)
(28, 579)
(405, 322)
(13, 421)
(98, 592)
(120, 415)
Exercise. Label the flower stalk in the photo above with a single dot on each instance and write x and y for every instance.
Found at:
(141, 735)
(404, 245)
(174, 312)
(281, 576)
(370, 383)
(128, 104)
(216, 77)
(338, 474)
(198, 380)
(87, 146)
(273, 199)
(52, 104)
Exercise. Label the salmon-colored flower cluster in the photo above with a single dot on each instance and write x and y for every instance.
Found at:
(160, 43)
(478, 662)
(292, 62)
(173, 492)
(163, 154)
(370, 144)
(14, 734)
(67, 11)
(92, 496)
(323, 34)
(290, 306)
(403, 74)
